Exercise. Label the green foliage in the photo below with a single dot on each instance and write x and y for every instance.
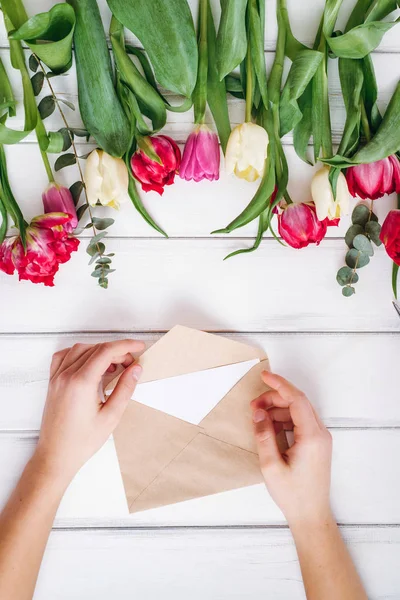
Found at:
(99, 105)
(364, 230)
(65, 160)
(49, 35)
(46, 107)
(232, 36)
(168, 36)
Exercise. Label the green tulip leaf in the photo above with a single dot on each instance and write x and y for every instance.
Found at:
(256, 30)
(149, 100)
(301, 73)
(167, 33)
(232, 36)
(303, 130)
(49, 35)
(99, 104)
(352, 82)
(360, 41)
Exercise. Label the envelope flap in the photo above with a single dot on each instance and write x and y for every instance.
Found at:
(147, 440)
(183, 350)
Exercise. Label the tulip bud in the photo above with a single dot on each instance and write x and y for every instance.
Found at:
(58, 199)
(106, 179)
(321, 191)
(374, 180)
(153, 175)
(247, 151)
(299, 225)
(201, 157)
(390, 235)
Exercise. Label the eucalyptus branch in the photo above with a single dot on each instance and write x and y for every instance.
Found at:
(103, 268)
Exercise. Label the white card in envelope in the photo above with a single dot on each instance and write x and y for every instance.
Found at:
(192, 396)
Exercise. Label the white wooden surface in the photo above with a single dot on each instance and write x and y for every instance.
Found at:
(343, 352)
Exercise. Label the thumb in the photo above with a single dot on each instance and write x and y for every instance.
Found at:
(123, 391)
(267, 445)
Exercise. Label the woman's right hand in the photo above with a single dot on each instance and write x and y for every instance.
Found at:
(299, 479)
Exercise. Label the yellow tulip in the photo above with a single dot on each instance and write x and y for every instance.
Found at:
(246, 151)
(106, 179)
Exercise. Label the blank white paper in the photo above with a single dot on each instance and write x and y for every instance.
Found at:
(192, 396)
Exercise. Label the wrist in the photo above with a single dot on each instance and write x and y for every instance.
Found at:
(55, 479)
(307, 524)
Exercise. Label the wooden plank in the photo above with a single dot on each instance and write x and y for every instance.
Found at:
(326, 366)
(201, 564)
(186, 209)
(159, 283)
(305, 18)
(96, 497)
(180, 124)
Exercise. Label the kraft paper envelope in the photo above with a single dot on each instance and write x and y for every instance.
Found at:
(205, 445)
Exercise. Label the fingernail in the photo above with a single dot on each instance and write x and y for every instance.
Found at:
(136, 372)
(259, 415)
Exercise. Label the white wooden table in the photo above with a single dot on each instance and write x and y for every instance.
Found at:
(343, 352)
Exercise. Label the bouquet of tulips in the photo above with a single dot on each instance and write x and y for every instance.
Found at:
(123, 108)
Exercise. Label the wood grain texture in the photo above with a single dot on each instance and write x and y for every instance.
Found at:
(96, 497)
(159, 283)
(217, 564)
(185, 210)
(341, 396)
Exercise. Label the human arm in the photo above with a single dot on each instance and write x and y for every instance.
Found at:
(75, 425)
(299, 482)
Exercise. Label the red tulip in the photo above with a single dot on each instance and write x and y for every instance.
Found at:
(47, 246)
(390, 235)
(151, 174)
(201, 157)
(299, 226)
(57, 198)
(376, 179)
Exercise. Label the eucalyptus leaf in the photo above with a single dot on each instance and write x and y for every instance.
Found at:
(346, 276)
(360, 215)
(362, 243)
(81, 211)
(49, 35)
(67, 103)
(65, 160)
(33, 63)
(348, 291)
(46, 107)
(232, 36)
(373, 229)
(96, 248)
(167, 33)
(103, 223)
(351, 234)
(37, 83)
(76, 190)
(356, 259)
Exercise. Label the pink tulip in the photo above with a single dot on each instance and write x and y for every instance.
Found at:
(57, 198)
(376, 179)
(48, 244)
(299, 226)
(201, 157)
(390, 235)
(151, 174)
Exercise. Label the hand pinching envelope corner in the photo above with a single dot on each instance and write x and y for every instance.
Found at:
(187, 433)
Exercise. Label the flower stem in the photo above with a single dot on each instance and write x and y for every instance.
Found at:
(73, 146)
(201, 91)
(365, 122)
(249, 86)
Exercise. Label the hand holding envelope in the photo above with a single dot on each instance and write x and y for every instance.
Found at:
(188, 432)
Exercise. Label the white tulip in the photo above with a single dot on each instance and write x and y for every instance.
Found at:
(246, 151)
(322, 195)
(106, 179)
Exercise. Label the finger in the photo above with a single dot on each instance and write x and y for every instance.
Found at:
(267, 400)
(74, 354)
(267, 445)
(300, 407)
(117, 353)
(282, 415)
(56, 361)
(117, 402)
